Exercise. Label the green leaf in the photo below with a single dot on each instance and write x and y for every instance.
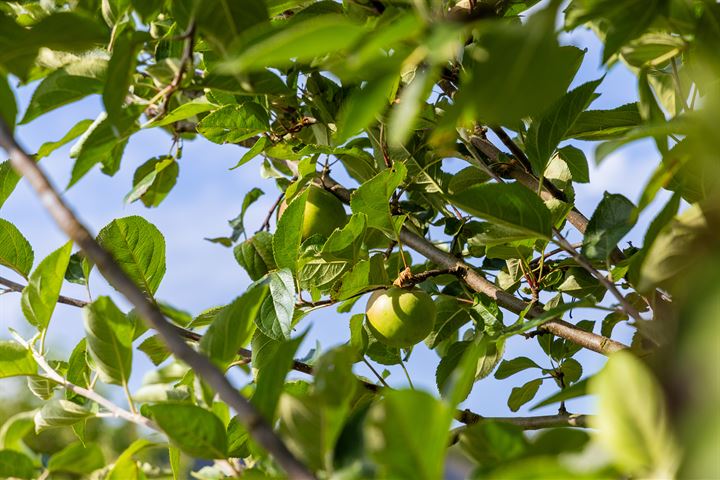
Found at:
(635, 426)
(271, 361)
(309, 428)
(372, 197)
(509, 204)
(503, 88)
(288, 233)
(19, 46)
(49, 147)
(237, 223)
(571, 370)
(139, 248)
(403, 117)
(8, 106)
(14, 429)
(236, 18)
(547, 132)
(335, 382)
(16, 465)
(40, 295)
(153, 180)
(233, 326)
(109, 335)
(521, 395)
(511, 367)
(194, 430)
(15, 251)
(15, 360)
(621, 22)
(465, 363)
(155, 349)
(612, 220)
(489, 443)
(120, 71)
(579, 283)
(125, 467)
(576, 162)
(674, 247)
(66, 85)
(257, 148)
(104, 142)
(183, 112)
(302, 41)
(276, 314)
(402, 446)
(364, 106)
(450, 316)
(234, 123)
(255, 255)
(78, 370)
(8, 181)
(576, 390)
(605, 124)
(59, 413)
(365, 275)
(78, 459)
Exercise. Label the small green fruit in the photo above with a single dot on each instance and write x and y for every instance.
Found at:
(400, 317)
(324, 212)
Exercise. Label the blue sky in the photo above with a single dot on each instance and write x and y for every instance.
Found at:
(201, 274)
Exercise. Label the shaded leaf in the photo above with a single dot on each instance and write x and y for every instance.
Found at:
(194, 430)
(78, 459)
(635, 427)
(612, 220)
(109, 335)
(402, 446)
(521, 395)
(509, 204)
(233, 326)
(234, 123)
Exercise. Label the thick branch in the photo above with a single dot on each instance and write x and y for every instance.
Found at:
(257, 427)
(480, 284)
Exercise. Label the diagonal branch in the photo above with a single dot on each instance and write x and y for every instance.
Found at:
(256, 426)
(480, 284)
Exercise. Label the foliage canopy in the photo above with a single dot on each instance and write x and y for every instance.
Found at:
(449, 131)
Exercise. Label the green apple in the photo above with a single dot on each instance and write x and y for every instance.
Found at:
(401, 317)
(324, 212)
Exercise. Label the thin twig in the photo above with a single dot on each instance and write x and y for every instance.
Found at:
(266, 223)
(53, 375)
(253, 421)
(585, 263)
(408, 279)
(375, 372)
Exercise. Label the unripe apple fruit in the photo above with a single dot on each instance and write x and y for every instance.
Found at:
(400, 317)
(324, 212)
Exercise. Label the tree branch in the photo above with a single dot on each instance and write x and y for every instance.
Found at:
(480, 284)
(256, 426)
(116, 411)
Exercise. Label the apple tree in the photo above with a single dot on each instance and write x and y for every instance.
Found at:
(426, 157)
